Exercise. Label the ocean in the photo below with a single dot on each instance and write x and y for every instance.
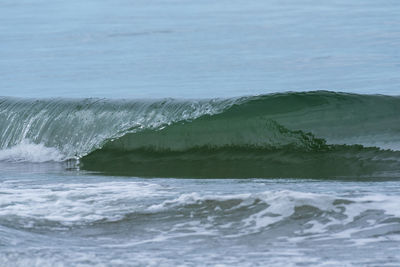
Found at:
(199, 133)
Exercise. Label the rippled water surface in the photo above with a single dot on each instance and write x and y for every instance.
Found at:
(51, 217)
(209, 48)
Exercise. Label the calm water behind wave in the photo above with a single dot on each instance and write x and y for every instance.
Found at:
(197, 49)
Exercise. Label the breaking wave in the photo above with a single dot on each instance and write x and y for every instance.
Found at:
(311, 134)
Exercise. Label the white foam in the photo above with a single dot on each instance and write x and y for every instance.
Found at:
(30, 152)
(75, 204)
(85, 203)
(281, 205)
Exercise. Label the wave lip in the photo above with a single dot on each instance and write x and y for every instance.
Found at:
(75, 127)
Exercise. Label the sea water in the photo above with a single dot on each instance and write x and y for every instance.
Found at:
(192, 133)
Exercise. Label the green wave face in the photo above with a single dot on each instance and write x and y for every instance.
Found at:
(77, 127)
(308, 135)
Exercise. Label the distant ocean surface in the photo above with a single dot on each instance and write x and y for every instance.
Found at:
(197, 133)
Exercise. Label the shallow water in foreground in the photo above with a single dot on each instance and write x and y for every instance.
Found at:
(50, 216)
